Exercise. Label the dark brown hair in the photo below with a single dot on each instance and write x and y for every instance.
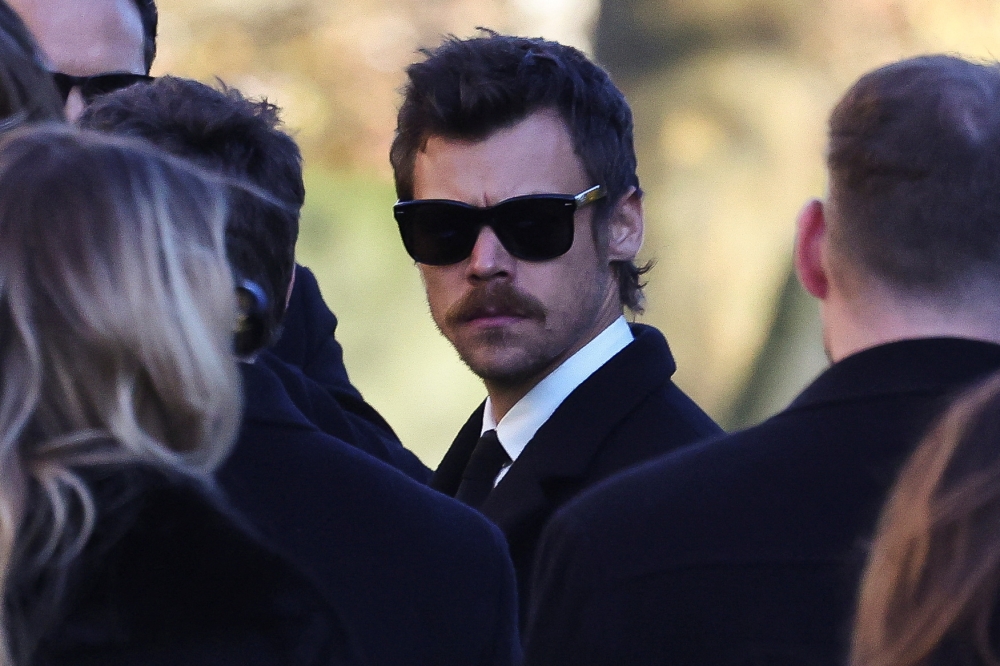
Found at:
(226, 133)
(914, 160)
(469, 88)
(929, 594)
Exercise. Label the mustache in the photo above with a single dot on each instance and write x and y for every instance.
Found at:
(495, 299)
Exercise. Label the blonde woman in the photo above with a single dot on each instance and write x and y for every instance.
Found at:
(929, 594)
(118, 398)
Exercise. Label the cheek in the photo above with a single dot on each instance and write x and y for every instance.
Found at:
(562, 289)
(574, 289)
(443, 288)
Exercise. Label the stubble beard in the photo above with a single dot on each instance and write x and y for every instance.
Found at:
(522, 366)
(499, 356)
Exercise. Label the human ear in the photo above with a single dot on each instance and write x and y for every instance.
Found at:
(625, 228)
(251, 331)
(810, 243)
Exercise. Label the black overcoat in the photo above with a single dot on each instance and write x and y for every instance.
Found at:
(745, 550)
(171, 576)
(627, 412)
(421, 578)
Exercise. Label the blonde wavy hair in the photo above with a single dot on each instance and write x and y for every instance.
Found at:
(117, 309)
(929, 593)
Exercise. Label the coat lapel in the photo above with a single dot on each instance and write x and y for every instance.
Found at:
(448, 474)
(266, 399)
(560, 453)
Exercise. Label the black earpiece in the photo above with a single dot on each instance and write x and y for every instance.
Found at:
(251, 327)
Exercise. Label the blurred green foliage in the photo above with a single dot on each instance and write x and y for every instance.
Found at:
(393, 352)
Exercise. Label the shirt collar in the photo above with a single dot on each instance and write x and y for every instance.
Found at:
(520, 424)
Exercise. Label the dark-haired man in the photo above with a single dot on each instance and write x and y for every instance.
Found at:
(98, 46)
(229, 134)
(519, 201)
(420, 578)
(746, 550)
(92, 46)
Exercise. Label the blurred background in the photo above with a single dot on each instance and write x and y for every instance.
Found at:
(730, 100)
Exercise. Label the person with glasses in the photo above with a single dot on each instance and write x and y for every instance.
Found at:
(92, 46)
(748, 549)
(519, 202)
(96, 47)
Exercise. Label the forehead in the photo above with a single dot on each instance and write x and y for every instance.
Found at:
(534, 156)
(86, 37)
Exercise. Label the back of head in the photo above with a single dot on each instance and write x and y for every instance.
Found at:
(930, 591)
(914, 160)
(467, 89)
(27, 93)
(116, 317)
(226, 133)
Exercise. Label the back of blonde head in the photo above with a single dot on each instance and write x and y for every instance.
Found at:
(929, 594)
(116, 318)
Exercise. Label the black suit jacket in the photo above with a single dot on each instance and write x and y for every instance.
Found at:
(316, 365)
(627, 412)
(307, 337)
(745, 550)
(421, 579)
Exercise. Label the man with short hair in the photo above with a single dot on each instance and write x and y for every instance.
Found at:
(747, 549)
(229, 134)
(420, 578)
(92, 46)
(519, 201)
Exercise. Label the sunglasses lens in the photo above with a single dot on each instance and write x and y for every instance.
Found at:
(535, 229)
(64, 84)
(532, 228)
(103, 84)
(436, 232)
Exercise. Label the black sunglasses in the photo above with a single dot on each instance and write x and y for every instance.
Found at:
(99, 84)
(534, 227)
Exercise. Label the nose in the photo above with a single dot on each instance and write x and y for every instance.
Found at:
(489, 258)
(74, 105)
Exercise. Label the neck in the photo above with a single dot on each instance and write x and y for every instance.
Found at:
(878, 315)
(506, 392)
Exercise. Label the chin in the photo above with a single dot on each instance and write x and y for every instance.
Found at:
(506, 371)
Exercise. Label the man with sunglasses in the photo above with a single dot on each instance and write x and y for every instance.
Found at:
(92, 46)
(519, 201)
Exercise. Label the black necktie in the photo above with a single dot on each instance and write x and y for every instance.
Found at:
(486, 461)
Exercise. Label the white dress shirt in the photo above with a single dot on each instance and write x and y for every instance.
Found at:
(520, 424)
